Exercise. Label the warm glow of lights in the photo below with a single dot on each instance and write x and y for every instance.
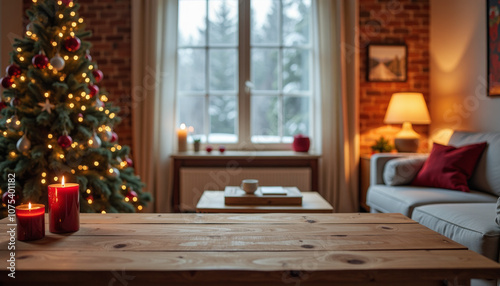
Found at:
(96, 163)
(139, 208)
(64, 28)
(71, 105)
(85, 167)
(57, 179)
(8, 121)
(46, 94)
(111, 170)
(124, 187)
(107, 111)
(83, 93)
(23, 78)
(12, 153)
(61, 78)
(75, 57)
(80, 167)
(91, 67)
(83, 107)
(29, 33)
(71, 4)
(13, 85)
(44, 174)
(89, 201)
(61, 156)
(101, 109)
(104, 98)
(49, 146)
(72, 14)
(127, 199)
(100, 129)
(19, 49)
(103, 212)
(66, 58)
(54, 44)
(84, 74)
(87, 97)
(59, 2)
(21, 59)
(113, 149)
(87, 80)
(118, 147)
(43, 181)
(60, 35)
(123, 164)
(73, 24)
(80, 20)
(88, 191)
(50, 136)
(91, 141)
(112, 115)
(74, 144)
(80, 119)
(61, 16)
(4, 133)
(73, 171)
(70, 96)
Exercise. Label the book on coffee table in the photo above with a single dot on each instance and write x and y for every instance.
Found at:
(234, 195)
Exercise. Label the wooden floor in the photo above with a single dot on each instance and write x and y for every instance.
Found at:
(244, 249)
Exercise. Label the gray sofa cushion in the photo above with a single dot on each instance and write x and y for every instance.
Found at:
(401, 171)
(469, 224)
(403, 199)
(486, 177)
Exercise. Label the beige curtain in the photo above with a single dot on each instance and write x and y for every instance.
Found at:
(338, 85)
(154, 23)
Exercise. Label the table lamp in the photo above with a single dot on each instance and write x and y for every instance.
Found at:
(407, 108)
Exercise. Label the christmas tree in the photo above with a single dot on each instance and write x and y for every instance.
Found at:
(55, 121)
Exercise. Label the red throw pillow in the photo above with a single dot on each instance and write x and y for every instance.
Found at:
(449, 167)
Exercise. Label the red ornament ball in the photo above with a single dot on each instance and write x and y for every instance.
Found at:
(209, 148)
(40, 61)
(129, 161)
(66, 2)
(131, 194)
(222, 148)
(11, 198)
(114, 137)
(97, 75)
(13, 70)
(94, 90)
(64, 141)
(7, 81)
(90, 199)
(2, 105)
(72, 44)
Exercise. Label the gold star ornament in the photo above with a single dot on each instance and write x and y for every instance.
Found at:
(47, 106)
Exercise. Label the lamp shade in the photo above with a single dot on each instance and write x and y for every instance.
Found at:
(407, 107)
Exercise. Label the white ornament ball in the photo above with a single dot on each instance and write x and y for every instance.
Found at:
(23, 144)
(114, 172)
(106, 135)
(57, 62)
(96, 141)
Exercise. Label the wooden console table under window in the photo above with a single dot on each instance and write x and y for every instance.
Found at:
(242, 159)
(244, 250)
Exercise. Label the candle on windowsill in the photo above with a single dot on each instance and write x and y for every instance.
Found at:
(30, 221)
(64, 207)
(182, 133)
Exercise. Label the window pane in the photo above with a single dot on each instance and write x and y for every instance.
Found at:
(264, 20)
(296, 22)
(264, 118)
(223, 118)
(191, 70)
(191, 113)
(223, 22)
(192, 22)
(296, 117)
(295, 70)
(264, 69)
(223, 69)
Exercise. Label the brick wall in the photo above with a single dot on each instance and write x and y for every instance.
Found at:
(110, 22)
(391, 22)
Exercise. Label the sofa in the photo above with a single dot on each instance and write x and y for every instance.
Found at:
(469, 218)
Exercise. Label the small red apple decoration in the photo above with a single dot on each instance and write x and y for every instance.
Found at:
(301, 143)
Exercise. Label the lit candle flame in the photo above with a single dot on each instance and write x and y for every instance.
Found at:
(29, 205)
(183, 126)
(62, 181)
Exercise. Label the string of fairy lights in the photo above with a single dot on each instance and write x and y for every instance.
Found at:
(65, 52)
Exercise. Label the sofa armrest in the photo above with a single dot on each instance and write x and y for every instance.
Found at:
(377, 163)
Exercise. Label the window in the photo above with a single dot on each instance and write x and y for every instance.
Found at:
(245, 70)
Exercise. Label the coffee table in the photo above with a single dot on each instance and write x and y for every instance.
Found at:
(213, 202)
(244, 249)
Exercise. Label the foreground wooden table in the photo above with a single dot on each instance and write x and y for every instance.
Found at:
(244, 249)
(213, 202)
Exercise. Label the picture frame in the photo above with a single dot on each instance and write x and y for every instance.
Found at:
(493, 46)
(387, 63)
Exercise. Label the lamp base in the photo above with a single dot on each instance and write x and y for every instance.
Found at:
(406, 144)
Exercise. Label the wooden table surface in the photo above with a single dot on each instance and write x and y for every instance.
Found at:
(243, 249)
(213, 202)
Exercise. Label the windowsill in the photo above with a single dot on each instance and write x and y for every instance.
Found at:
(245, 154)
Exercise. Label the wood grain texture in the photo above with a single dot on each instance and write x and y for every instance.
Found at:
(254, 249)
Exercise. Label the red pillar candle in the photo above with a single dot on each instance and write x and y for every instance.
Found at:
(30, 221)
(64, 207)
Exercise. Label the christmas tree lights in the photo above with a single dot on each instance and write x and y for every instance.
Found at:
(56, 121)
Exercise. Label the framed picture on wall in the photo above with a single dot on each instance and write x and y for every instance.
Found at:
(493, 36)
(386, 62)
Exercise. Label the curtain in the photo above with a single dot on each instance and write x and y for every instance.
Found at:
(338, 119)
(154, 24)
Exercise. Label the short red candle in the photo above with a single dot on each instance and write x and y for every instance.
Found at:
(64, 207)
(30, 221)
